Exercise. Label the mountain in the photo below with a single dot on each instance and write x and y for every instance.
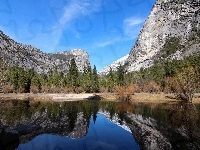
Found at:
(171, 31)
(168, 19)
(63, 59)
(114, 65)
(27, 56)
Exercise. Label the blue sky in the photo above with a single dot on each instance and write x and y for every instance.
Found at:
(106, 29)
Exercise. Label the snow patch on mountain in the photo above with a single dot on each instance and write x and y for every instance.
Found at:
(114, 65)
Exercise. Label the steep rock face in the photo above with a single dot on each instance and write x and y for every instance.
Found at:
(25, 55)
(168, 18)
(28, 56)
(63, 58)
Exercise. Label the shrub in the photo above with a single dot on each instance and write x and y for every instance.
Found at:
(151, 87)
(184, 84)
(67, 90)
(78, 90)
(34, 89)
(124, 92)
(45, 89)
(8, 88)
(103, 89)
(137, 88)
(55, 90)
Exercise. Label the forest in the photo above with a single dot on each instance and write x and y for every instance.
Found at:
(180, 77)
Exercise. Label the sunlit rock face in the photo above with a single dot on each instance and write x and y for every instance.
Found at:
(27, 56)
(168, 18)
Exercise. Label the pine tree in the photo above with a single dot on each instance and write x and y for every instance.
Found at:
(87, 79)
(95, 80)
(36, 81)
(120, 75)
(3, 73)
(14, 76)
(43, 79)
(111, 80)
(73, 75)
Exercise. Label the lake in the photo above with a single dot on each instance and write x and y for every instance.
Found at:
(98, 125)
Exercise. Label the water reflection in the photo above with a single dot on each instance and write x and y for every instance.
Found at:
(94, 139)
(9, 140)
(155, 126)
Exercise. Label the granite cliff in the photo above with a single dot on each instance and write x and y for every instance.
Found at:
(27, 56)
(168, 20)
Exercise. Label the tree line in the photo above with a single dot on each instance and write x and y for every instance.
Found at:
(176, 76)
(20, 80)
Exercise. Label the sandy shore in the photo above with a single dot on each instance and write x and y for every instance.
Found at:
(60, 97)
(46, 97)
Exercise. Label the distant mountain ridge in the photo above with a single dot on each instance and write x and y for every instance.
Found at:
(27, 56)
(168, 19)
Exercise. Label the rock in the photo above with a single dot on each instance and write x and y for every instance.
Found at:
(27, 56)
(168, 18)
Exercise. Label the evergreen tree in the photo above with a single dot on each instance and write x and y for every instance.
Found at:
(95, 80)
(20, 79)
(57, 78)
(73, 75)
(3, 73)
(43, 79)
(87, 79)
(111, 80)
(13, 77)
(36, 81)
(120, 75)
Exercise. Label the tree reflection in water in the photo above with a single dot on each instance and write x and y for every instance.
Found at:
(185, 118)
(179, 123)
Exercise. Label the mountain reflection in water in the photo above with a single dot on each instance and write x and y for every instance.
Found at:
(101, 135)
(99, 125)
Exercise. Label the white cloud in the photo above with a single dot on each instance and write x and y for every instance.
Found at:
(132, 26)
(72, 11)
(107, 42)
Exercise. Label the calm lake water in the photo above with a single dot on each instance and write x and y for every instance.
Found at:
(98, 125)
(102, 135)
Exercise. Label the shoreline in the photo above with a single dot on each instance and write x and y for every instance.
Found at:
(62, 97)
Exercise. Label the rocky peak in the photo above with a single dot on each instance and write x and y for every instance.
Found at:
(168, 18)
(28, 57)
(81, 57)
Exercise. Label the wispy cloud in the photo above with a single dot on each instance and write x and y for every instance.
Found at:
(107, 42)
(132, 25)
(72, 11)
